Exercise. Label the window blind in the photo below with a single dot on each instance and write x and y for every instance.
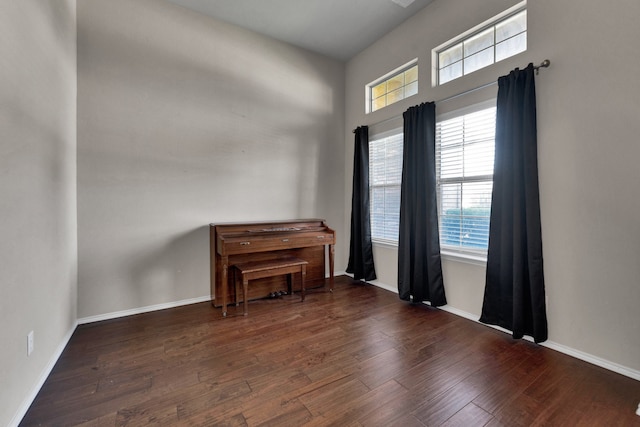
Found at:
(385, 175)
(464, 170)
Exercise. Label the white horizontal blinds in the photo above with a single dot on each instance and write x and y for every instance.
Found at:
(464, 168)
(385, 175)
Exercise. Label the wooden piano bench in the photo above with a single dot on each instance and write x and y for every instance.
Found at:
(258, 269)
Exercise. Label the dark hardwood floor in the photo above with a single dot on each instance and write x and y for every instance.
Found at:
(357, 357)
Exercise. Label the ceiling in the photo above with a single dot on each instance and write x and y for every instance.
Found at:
(339, 29)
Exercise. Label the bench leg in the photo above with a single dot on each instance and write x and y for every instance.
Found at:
(236, 287)
(225, 285)
(332, 251)
(303, 271)
(245, 292)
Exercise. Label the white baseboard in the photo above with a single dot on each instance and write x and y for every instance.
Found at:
(28, 400)
(149, 308)
(140, 310)
(603, 363)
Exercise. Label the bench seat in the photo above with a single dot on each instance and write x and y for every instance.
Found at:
(251, 270)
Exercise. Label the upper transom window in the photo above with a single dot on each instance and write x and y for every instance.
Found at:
(395, 86)
(501, 37)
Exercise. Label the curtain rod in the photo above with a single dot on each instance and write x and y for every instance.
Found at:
(543, 64)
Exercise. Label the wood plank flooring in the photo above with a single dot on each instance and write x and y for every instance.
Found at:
(355, 357)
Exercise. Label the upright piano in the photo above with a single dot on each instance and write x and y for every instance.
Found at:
(309, 239)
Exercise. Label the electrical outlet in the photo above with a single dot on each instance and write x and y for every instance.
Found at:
(29, 343)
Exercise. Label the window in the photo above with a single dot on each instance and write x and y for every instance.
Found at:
(464, 171)
(393, 87)
(465, 144)
(501, 37)
(385, 175)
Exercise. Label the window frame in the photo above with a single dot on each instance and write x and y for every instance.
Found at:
(474, 256)
(395, 132)
(385, 78)
(484, 26)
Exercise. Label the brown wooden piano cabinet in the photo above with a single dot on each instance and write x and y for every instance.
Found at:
(308, 239)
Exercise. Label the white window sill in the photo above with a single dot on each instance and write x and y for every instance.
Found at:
(464, 257)
(468, 258)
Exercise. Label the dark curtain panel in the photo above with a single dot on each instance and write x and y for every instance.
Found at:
(419, 266)
(514, 295)
(360, 248)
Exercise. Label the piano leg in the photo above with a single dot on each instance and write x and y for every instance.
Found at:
(225, 285)
(331, 256)
(245, 292)
(290, 284)
(236, 286)
(303, 275)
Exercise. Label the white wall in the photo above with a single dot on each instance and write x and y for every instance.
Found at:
(588, 109)
(38, 254)
(184, 121)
